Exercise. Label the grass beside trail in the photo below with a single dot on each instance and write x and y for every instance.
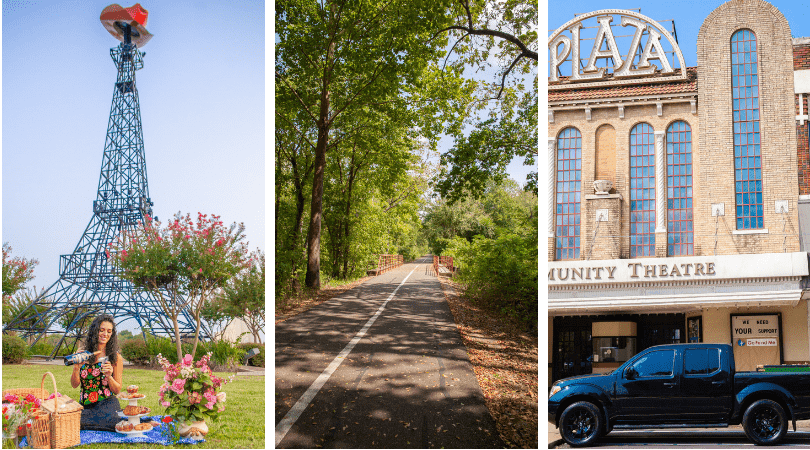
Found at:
(291, 306)
(505, 363)
(241, 425)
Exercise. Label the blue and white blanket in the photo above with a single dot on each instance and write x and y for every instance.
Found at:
(152, 437)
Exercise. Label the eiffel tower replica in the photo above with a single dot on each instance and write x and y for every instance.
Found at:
(87, 284)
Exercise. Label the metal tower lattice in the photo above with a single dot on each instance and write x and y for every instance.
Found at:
(87, 283)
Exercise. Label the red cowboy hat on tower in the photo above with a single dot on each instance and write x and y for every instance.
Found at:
(115, 18)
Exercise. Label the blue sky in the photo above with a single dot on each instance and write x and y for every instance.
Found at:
(202, 96)
(688, 16)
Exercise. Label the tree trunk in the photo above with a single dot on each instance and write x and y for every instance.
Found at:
(313, 278)
(196, 335)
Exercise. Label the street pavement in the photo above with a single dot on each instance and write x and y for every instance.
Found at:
(733, 436)
(406, 381)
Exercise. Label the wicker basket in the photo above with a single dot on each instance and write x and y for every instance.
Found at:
(64, 418)
(39, 436)
(40, 393)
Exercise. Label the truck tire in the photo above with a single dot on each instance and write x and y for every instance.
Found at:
(581, 424)
(765, 422)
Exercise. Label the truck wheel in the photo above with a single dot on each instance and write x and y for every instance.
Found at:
(581, 424)
(765, 422)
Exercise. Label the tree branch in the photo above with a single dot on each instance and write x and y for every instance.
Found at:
(306, 108)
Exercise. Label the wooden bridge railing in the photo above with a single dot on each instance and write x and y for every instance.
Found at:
(386, 263)
(443, 265)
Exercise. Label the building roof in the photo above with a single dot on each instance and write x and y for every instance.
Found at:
(582, 92)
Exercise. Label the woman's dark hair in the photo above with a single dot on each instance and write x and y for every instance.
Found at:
(91, 341)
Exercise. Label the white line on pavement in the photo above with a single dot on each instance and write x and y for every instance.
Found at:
(292, 415)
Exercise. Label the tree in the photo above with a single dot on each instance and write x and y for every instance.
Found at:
(245, 295)
(217, 314)
(125, 334)
(18, 307)
(334, 57)
(16, 272)
(181, 265)
(504, 34)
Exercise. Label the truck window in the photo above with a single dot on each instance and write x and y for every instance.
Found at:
(702, 361)
(656, 364)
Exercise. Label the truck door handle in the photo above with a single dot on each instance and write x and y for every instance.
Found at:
(669, 385)
(718, 383)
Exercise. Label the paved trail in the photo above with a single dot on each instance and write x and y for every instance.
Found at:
(374, 370)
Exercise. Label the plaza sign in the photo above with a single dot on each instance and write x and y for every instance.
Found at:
(562, 48)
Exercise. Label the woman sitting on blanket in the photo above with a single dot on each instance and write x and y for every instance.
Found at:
(100, 382)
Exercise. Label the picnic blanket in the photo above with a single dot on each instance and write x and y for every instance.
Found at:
(151, 437)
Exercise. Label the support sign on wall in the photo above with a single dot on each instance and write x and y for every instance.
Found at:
(755, 340)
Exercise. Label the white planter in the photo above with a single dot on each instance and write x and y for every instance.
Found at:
(193, 430)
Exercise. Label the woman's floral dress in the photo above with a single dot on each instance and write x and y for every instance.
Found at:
(94, 384)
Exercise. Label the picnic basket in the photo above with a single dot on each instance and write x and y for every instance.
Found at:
(64, 417)
(40, 393)
(39, 435)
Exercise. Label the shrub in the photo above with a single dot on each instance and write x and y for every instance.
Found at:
(162, 345)
(42, 347)
(135, 351)
(224, 355)
(15, 349)
(258, 360)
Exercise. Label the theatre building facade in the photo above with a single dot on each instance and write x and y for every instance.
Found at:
(679, 197)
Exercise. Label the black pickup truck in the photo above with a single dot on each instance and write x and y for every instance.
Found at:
(679, 386)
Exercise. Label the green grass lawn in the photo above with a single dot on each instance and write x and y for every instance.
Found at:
(240, 426)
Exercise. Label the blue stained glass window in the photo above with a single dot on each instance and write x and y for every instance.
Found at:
(569, 180)
(642, 191)
(679, 193)
(745, 103)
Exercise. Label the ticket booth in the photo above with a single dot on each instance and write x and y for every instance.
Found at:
(613, 344)
(757, 340)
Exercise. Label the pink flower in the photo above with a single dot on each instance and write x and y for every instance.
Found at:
(84, 373)
(188, 359)
(194, 398)
(221, 397)
(104, 381)
(107, 392)
(165, 403)
(209, 405)
(221, 407)
(177, 386)
(210, 396)
(96, 372)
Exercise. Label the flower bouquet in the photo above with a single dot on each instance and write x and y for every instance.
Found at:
(16, 412)
(190, 392)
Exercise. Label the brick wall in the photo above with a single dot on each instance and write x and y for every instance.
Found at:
(607, 242)
(801, 61)
(777, 125)
(801, 56)
(803, 155)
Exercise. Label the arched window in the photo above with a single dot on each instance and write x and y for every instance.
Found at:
(680, 236)
(642, 191)
(747, 156)
(569, 180)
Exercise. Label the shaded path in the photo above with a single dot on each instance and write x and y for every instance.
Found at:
(406, 384)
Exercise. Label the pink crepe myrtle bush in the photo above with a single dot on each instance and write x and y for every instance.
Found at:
(190, 390)
(183, 263)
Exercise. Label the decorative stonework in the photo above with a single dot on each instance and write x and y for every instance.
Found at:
(661, 179)
(552, 171)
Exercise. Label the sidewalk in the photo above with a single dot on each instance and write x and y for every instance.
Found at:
(555, 440)
(241, 370)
